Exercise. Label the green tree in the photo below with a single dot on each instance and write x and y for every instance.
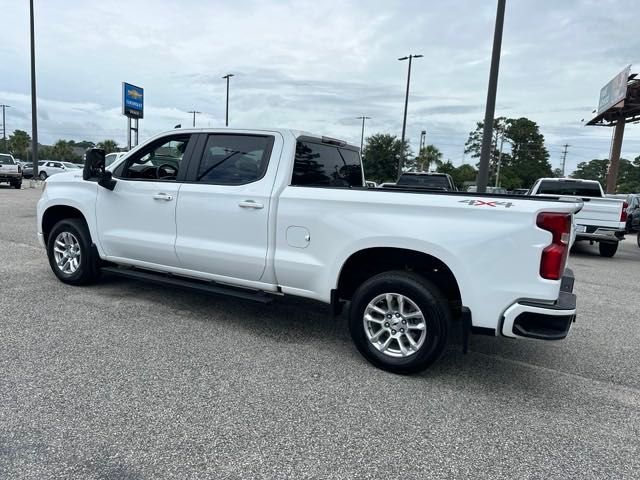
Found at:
(529, 159)
(62, 151)
(592, 170)
(428, 156)
(108, 146)
(19, 143)
(460, 175)
(473, 145)
(524, 156)
(380, 157)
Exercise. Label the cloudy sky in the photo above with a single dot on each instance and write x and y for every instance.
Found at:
(316, 66)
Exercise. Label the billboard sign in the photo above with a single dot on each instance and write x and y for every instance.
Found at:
(615, 91)
(132, 101)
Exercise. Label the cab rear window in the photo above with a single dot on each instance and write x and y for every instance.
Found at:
(579, 189)
(6, 160)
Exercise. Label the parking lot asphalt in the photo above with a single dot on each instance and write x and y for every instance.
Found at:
(126, 380)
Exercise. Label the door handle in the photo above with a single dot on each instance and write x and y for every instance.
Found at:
(251, 204)
(163, 196)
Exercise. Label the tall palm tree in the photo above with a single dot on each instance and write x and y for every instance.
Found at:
(428, 156)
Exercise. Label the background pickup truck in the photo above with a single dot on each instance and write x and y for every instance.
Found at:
(10, 171)
(601, 220)
(263, 213)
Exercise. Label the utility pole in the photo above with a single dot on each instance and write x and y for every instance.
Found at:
(4, 128)
(406, 104)
(34, 107)
(483, 171)
(194, 116)
(363, 118)
(227, 76)
(564, 157)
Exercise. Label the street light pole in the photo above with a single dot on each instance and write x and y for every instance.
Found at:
(194, 116)
(423, 140)
(363, 118)
(227, 76)
(34, 107)
(4, 128)
(483, 170)
(406, 104)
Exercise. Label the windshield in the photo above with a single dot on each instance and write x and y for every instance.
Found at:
(70, 165)
(6, 160)
(568, 187)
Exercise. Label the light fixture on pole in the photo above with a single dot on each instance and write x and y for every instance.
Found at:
(406, 103)
(423, 138)
(195, 112)
(363, 118)
(227, 76)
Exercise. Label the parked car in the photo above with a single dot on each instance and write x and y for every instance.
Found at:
(52, 167)
(261, 213)
(602, 220)
(27, 171)
(10, 171)
(633, 210)
(435, 181)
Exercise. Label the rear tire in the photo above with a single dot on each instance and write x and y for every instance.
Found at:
(396, 301)
(43, 175)
(17, 185)
(71, 255)
(607, 249)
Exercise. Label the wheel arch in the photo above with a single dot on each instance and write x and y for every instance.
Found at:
(55, 213)
(367, 262)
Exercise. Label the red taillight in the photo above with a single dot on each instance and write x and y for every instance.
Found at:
(554, 256)
(623, 215)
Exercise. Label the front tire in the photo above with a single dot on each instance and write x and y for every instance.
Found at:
(607, 249)
(17, 186)
(71, 256)
(399, 321)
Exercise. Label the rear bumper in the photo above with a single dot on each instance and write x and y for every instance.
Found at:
(542, 320)
(605, 234)
(10, 177)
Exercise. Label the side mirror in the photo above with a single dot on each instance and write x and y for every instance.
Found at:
(94, 165)
(94, 169)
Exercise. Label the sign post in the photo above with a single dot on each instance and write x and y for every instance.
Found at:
(132, 108)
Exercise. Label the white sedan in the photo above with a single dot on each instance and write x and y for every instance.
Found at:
(51, 167)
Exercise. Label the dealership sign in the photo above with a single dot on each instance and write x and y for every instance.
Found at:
(132, 101)
(615, 91)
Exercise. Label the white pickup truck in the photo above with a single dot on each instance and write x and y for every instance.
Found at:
(602, 220)
(263, 213)
(10, 170)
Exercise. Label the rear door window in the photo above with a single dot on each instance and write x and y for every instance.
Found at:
(319, 165)
(234, 159)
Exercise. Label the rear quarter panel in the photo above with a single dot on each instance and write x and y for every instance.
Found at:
(493, 251)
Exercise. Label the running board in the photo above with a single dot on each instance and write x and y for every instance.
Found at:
(170, 280)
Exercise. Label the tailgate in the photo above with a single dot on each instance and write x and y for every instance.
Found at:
(8, 168)
(603, 212)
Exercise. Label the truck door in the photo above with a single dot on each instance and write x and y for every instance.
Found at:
(137, 220)
(222, 215)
